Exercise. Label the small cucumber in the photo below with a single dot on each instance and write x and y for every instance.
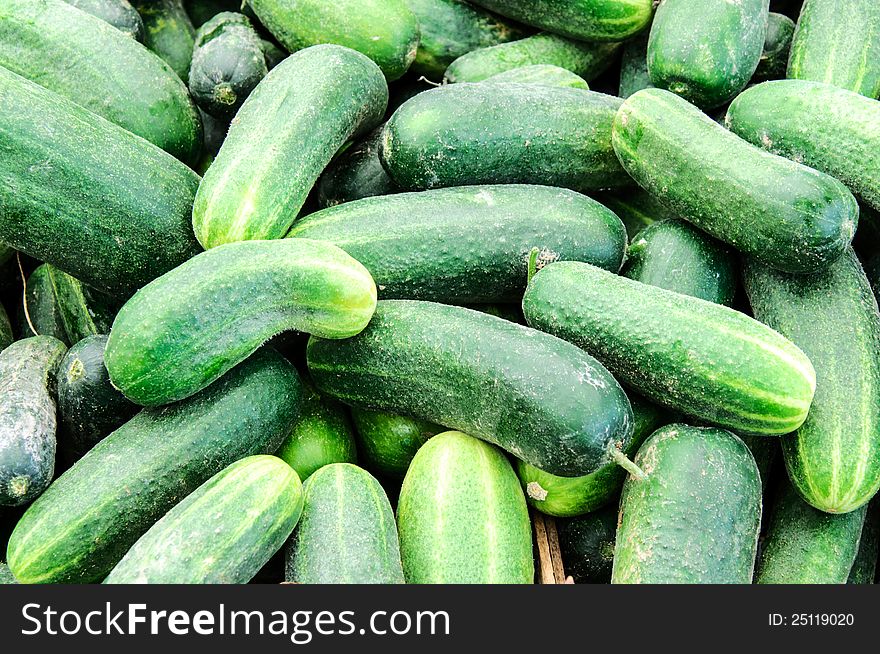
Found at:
(168, 32)
(388, 442)
(544, 74)
(119, 13)
(634, 66)
(587, 545)
(354, 174)
(864, 567)
(777, 44)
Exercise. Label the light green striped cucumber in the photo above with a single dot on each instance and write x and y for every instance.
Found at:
(187, 328)
(695, 356)
(777, 44)
(462, 516)
(284, 135)
(347, 534)
(168, 32)
(387, 442)
(545, 74)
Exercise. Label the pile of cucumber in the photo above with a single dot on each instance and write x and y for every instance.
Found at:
(350, 292)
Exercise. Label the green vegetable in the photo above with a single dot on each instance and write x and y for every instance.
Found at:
(388, 442)
(587, 545)
(636, 208)
(119, 13)
(865, 565)
(6, 576)
(83, 311)
(544, 74)
(168, 32)
(777, 44)
(355, 173)
(43, 311)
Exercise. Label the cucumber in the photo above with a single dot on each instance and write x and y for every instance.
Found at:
(356, 173)
(864, 567)
(586, 20)
(834, 458)
(636, 208)
(503, 133)
(223, 532)
(6, 336)
(386, 31)
(701, 358)
(672, 254)
(6, 576)
(227, 63)
(777, 45)
(542, 399)
(765, 451)
(838, 42)
(462, 517)
(283, 137)
(791, 217)
(119, 13)
(575, 496)
(94, 65)
(168, 32)
(42, 307)
(111, 210)
(347, 533)
(634, 66)
(89, 518)
(830, 129)
(587, 545)
(706, 52)
(83, 311)
(467, 244)
(588, 60)
(28, 370)
(186, 329)
(544, 74)
(387, 442)
(806, 546)
(695, 519)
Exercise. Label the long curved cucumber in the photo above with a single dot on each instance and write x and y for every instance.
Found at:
(388, 442)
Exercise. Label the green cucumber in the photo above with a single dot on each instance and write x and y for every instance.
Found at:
(94, 65)
(706, 52)
(806, 546)
(386, 31)
(462, 517)
(864, 567)
(695, 519)
(387, 442)
(111, 209)
(354, 174)
(838, 42)
(168, 32)
(468, 244)
(587, 545)
(777, 44)
(6, 335)
(282, 138)
(83, 311)
(89, 518)
(503, 133)
(636, 208)
(765, 451)
(834, 458)
(544, 74)
(791, 217)
(347, 533)
(6, 576)
(119, 13)
(698, 357)
(544, 400)
(588, 60)
(634, 66)
(39, 307)
(223, 532)
(28, 370)
(187, 328)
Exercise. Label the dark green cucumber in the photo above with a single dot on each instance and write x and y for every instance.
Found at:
(83, 311)
(386, 31)
(544, 74)
(864, 568)
(283, 136)
(186, 329)
(462, 517)
(834, 458)
(356, 173)
(227, 63)
(695, 519)
(201, 11)
(168, 32)
(588, 60)
(468, 244)
(503, 133)
(777, 44)
(119, 13)
(806, 546)
(387, 442)
(6, 335)
(822, 126)
(838, 42)
(587, 545)
(111, 209)
(89, 518)
(791, 217)
(6, 576)
(96, 66)
(634, 66)
(28, 370)
(223, 532)
(544, 400)
(88, 406)
(698, 357)
(574, 496)
(636, 208)
(347, 534)
(706, 52)
(39, 308)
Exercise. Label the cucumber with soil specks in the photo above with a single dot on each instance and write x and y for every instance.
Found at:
(587, 545)
(777, 44)
(388, 442)
(168, 32)
(355, 173)
(544, 74)
(118, 13)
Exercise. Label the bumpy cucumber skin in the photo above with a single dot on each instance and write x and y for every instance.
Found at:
(636, 208)
(838, 42)
(42, 308)
(83, 311)
(807, 546)
(821, 126)
(587, 545)
(543, 400)
(28, 370)
(355, 174)
(221, 533)
(388, 442)
(88, 519)
(834, 458)
(545, 74)
(6, 576)
(186, 329)
(386, 31)
(467, 244)
(93, 64)
(284, 135)
(588, 60)
(777, 44)
(791, 217)
(168, 32)
(706, 51)
(634, 66)
(119, 13)
(503, 133)
(462, 516)
(695, 519)
(698, 357)
(347, 534)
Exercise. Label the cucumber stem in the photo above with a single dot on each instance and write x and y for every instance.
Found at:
(533, 265)
(624, 462)
(27, 314)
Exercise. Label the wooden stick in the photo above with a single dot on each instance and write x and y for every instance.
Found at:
(549, 555)
(555, 550)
